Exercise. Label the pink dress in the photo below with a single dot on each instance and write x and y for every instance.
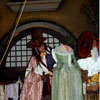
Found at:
(33, 85)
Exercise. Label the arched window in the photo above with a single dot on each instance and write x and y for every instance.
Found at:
(19, 54)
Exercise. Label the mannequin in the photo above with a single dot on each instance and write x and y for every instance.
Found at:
(64, 84)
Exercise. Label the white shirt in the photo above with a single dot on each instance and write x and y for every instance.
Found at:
(90, 64)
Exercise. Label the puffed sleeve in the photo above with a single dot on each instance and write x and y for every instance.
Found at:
(32, 64)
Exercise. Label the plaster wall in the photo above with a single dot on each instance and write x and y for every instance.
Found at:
(67, 16)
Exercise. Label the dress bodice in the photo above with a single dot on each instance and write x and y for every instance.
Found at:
(63, 59)
(64, 50)
(64, 54)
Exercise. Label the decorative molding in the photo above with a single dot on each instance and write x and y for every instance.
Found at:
(43, 25)
(35, 5)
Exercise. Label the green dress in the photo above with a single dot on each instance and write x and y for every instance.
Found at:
(66, 79)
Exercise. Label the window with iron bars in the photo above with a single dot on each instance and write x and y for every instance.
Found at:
(19, 54)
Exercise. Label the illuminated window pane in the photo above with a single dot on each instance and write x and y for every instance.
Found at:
(28, 37)
(24, 53)
(18, 53)
(8, 54)
(13, 48)
(29, 58)
(8, 58)
(12, 53)
(24, 64)
(23, 42)
(18, 43)
(23, 58)
(7, 64)
(18, 58)
(12, 58)
(51, 45)
(45, 35)
(50, 36)
(19, 64)
(51, 40)
(55, 40)
(29, 49)
(18, 47)
(46, 41)
(24, 38)
(23, 47)
(12, 64)
(29, 52)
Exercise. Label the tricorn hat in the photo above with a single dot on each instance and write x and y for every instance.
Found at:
(36, 43)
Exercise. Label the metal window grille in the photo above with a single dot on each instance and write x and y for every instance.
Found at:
(51, 41)
(19, 54)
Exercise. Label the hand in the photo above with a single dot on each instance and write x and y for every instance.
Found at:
(50, 73)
